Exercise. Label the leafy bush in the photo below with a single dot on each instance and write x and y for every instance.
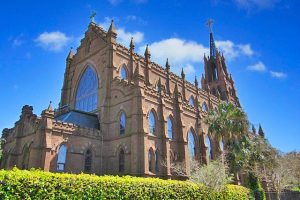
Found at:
(35, 184)
(256, 189)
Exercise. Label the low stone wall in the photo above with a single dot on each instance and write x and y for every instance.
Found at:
(286, 195)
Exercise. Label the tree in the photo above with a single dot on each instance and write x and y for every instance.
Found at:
(214, 175)
(227, 121)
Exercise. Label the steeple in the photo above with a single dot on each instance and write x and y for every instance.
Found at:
(212, 46)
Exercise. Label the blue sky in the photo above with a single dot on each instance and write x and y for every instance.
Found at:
(259, 38)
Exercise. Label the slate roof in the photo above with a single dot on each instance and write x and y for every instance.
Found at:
(82, 119)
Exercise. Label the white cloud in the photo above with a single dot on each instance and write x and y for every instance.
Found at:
(279, 75)
(123, 36)
(232, 50)
(246, 49)
(189, 69)
(259, 67)
(251, 4)
(177, 50)
(181, 53)
(52, 41)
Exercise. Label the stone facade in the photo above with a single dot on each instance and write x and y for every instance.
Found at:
(146, 92)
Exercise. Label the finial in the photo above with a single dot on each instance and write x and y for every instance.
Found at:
(196, 82)
(147, 52)
(182, 74)
(50, 106)
(71, 54)
(167, 65)
(112, 28)
(210, 23)
(92, 17)
(131, 44)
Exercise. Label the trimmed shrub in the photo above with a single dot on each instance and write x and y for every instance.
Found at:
(36, 184)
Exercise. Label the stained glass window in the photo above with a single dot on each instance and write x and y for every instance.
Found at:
(152, 123)
(87, 91)
(208, 145)
(151, 160)
(221, 145)
(191, 101)
(123, 72)
(122, 123)
(191, 144)
(170, 128)
(61, 159)
(204, 107)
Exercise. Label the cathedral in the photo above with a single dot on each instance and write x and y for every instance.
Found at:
(120, 113)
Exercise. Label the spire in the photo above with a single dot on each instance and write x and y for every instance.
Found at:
(131, 44)
(261, 132)
(112, 33)
(167, 65)
(92, 17)
(182, 74)
(112, 28)
(50, 106)
(147, 52)
(212, 46)
(71, 54)
(196, 82)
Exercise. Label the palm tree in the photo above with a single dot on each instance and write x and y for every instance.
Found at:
(227, 121)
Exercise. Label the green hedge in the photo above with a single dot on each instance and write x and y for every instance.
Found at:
(35, 184)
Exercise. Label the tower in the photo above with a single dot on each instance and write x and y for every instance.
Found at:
(216, 78)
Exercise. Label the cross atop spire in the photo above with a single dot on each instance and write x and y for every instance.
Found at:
(92, 17)
(213, 50)
(210, 23)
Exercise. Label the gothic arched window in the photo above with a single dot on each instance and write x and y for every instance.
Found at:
(88, 161)
(122, 123)
(61, 158)
(221, 145)
(204, 107)
(192, 101)
(151, 160)
(152, 123)
(170, 128)
(208, 145)
(121, 161)
(87, 91)
(123, 72)
(191, 144)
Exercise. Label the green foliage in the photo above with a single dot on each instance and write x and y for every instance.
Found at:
(256, 188)
(227, 120)
(213, 175)
(35, 184)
